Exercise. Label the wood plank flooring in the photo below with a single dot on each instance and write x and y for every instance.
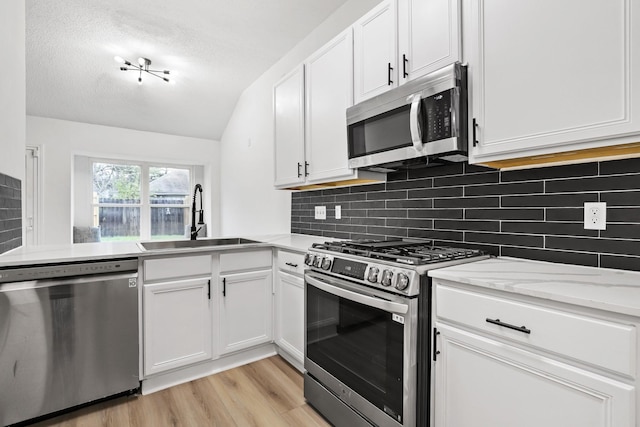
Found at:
(264, 393)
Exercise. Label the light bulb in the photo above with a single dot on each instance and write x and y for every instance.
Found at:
(118, 59)
(141, 61)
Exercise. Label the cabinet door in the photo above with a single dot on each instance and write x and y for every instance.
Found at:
(288, 108)
(481, 382)
(177, 324)
(375, 51)
(329, 85)
(290, 314)
(545, 80)
(245, 310)
(428, 36)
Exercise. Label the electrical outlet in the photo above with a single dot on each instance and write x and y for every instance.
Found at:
(595, 216)
(338, 212)
(321, 212)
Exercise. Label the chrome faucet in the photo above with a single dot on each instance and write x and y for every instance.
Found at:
(194, 230)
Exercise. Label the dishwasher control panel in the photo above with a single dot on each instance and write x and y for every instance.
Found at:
(54, 271)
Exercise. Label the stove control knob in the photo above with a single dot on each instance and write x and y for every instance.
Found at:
(308, 259)
(317, 261)
(403, 282)
(373, 274)
(386, 277)
(326, 263)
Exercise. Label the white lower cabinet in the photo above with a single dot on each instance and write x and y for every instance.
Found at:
(504, 360)
(289, 307)
(290, 303)
(483, 382)
(177, 324)
(245, 300)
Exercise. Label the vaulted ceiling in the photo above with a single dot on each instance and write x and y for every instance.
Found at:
(216, 47)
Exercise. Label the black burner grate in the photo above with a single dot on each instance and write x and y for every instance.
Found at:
(401, 251)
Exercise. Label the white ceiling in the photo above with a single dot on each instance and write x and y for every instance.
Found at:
(218, 48)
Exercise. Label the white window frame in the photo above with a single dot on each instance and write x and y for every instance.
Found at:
(145, 203)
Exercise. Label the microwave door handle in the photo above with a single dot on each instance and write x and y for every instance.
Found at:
(414, 124)
(455, 106)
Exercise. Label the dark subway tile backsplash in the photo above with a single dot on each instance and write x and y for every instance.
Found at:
(534, 213)
(10, 213)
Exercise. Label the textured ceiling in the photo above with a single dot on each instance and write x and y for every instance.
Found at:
(217, 48)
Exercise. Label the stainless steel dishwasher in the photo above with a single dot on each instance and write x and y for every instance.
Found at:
(68, 336)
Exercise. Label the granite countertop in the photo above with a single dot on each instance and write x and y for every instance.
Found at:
(600, 288)
(49, 254)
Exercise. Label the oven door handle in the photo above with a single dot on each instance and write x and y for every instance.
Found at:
(371, 301)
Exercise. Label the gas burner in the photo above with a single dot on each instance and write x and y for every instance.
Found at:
(394, 266)
(406, 251)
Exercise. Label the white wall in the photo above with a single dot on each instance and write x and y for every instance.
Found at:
(249, 203)
(12, 88)
(61, 140)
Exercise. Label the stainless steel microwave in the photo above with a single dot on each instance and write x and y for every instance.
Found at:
(421, 121)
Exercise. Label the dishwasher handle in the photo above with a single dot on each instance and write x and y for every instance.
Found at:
(47, 283)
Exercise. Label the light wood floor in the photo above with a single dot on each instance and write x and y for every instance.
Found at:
(264, 393)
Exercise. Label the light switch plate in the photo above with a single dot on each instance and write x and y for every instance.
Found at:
(321, 212)
(595, 216)
(338, 212)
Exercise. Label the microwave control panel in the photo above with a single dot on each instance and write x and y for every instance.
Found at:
(438, 115)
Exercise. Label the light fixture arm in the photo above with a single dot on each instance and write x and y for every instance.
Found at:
(142, 66)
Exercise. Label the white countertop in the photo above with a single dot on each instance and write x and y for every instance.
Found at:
(606, 289)
(292, 242)
(47, 254)
(68, 253)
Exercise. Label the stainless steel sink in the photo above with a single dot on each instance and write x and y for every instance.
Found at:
(200, 243)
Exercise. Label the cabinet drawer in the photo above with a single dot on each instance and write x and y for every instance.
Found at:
(291, 262)
(599, 342)
(246, 260)
(177, 267)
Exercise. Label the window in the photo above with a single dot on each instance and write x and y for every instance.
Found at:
(133, 201)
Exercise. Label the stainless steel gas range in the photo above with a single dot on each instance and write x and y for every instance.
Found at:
(368, 329)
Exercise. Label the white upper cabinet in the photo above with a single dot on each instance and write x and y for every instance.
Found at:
(329, 92)
(310, 119)
(375, 51)
(428, 36)
(288, 110)
(551, 76)
(400, 40)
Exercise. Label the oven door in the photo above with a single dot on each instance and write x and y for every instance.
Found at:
(360, 344)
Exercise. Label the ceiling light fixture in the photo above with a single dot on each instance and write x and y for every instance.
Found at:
(143, 66)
